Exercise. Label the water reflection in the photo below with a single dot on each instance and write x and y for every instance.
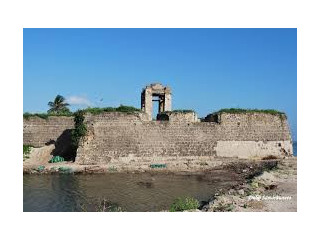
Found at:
(132, 192)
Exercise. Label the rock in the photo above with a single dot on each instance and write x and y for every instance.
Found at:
(241, 192)
(231, 191)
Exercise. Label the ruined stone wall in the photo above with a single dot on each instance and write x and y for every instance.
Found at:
(178, 117)
(38, 131)
(123, 138)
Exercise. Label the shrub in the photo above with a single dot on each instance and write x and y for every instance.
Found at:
(26, 151)
(80, 128)
(181, 204)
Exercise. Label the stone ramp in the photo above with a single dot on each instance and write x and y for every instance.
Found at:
(40, 156)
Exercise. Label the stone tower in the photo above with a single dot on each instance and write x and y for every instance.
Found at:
(155, 92)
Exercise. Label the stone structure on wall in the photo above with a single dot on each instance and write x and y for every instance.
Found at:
(123, 138)
(155, 93)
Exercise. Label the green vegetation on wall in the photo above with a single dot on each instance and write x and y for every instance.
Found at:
(26, 151)
(80, 128)
(46, 115)
(121, 108)
(247, 110)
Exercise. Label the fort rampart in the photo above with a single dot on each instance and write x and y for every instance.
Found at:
(38, 132)
(126, 137)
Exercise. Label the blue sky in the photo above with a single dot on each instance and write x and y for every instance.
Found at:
(207, 69)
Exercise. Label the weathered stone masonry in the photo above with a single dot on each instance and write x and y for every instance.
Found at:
(125, 137)
(121, 137)
(155, 90)
(38, 131)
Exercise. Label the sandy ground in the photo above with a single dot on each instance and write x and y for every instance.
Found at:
(273, 191)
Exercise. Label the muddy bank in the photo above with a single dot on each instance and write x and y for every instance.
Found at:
(272, 190)
(240, 168)
(38, 163)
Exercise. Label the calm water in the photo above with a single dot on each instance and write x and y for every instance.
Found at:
(132, 192)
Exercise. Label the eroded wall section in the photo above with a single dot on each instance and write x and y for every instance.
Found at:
(124, 138)
(38, 132)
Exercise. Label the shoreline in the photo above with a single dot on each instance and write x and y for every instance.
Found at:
(183, 166)
(260, 185)
(273, 190)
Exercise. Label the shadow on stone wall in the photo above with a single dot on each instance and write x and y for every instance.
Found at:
(162, 117)
(64, 147)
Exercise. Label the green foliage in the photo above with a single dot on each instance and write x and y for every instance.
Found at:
(80, 129)
(121, 108)
(182, 204)
(58, 106)
(243, 110)
(46, 115)
(56, 159)
(26, 151)
(158, 165)
(95, 111)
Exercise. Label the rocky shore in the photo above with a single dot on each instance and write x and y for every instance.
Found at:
(274, 190)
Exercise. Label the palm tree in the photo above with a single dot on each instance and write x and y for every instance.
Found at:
(58, 105)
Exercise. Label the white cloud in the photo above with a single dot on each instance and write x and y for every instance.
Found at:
(77, 100)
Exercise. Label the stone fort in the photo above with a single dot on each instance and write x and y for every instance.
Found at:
(175, 135)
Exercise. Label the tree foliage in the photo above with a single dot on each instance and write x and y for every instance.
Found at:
(58, 106)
